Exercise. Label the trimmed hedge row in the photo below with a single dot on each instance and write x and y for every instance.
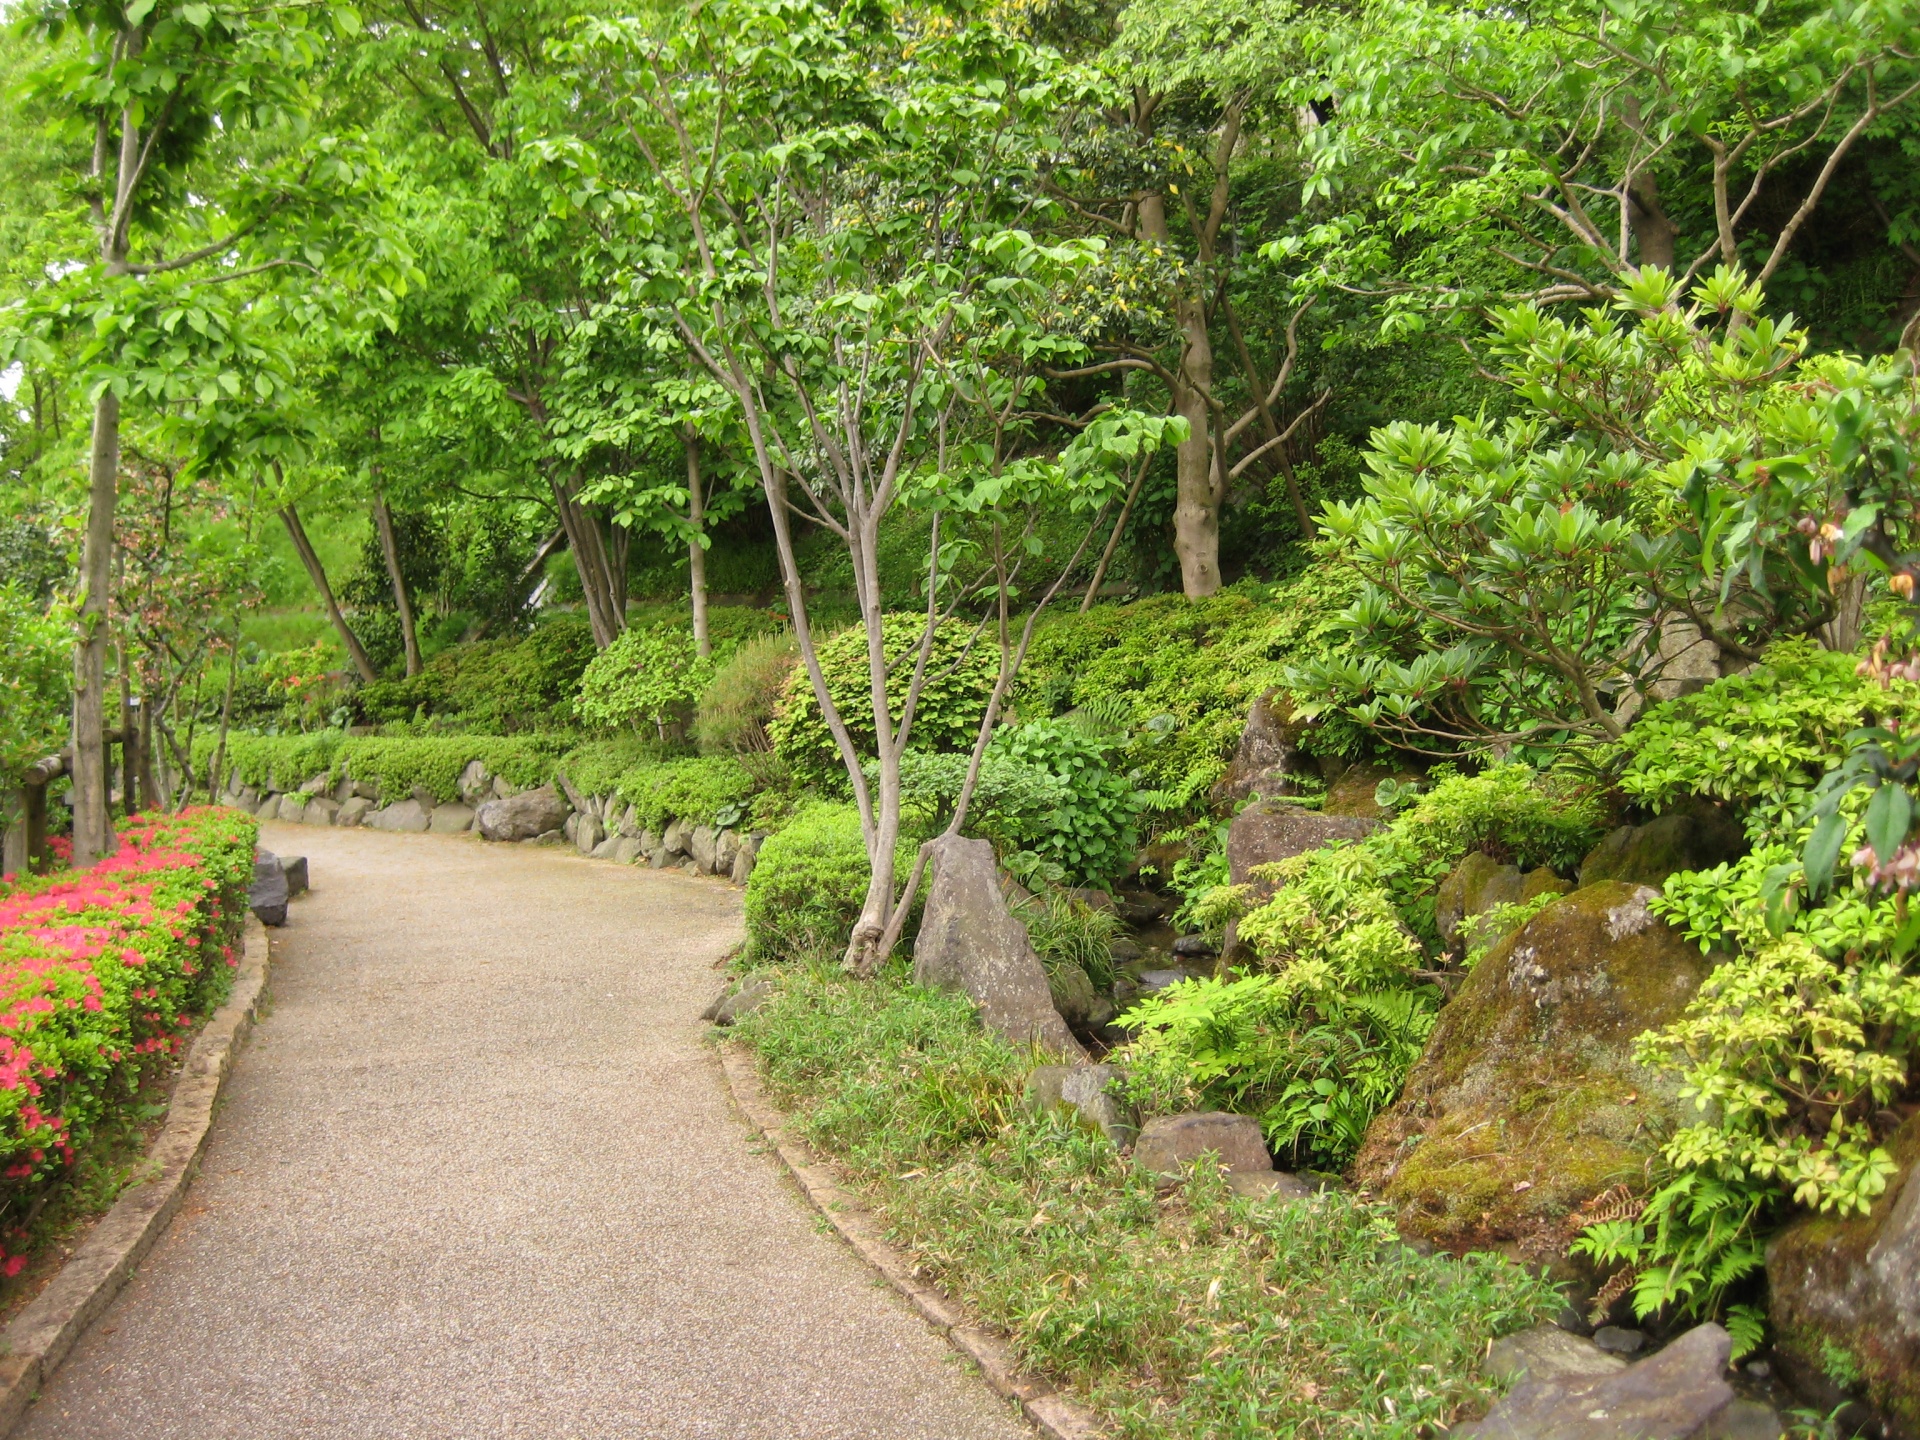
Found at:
(101, 970)
(394, 764)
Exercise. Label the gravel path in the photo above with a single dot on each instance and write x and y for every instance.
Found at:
(477, 1177)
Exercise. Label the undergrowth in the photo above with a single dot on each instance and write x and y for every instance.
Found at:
(1188, 1313)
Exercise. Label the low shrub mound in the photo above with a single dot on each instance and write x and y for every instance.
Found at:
(808, 884)
(100, 974)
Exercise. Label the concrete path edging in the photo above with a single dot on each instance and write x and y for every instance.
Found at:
(39, 1337)
(1052, 1412)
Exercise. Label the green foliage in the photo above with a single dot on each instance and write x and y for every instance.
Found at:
(1763, 739)
(498, 687)
(649, 677)
(35, 675)
(960, 674)
(1090, 831)
(743, 696)
(1173, 679)
(808, 884)
(1520, 579)
(1316, 1067)
(1067, 931)
(1200, 1314)
(393, 764)
(702, 790)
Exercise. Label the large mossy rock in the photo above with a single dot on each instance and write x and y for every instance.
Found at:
(1268, 754)
(1527, 1103)
(1846, 1296)
(1696, 838)
(1272, 830)
(1479, 883)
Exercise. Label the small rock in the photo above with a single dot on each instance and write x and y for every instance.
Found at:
(1093, 899)
(424, 798)
(476, 785)
(1759, 1369)
(1141, 907)
(1672, 1395)
(504, 789)
(676, 838)
(353, 811)
(1161, 979)
(604, 850)
(1547, 1353)
(547, 837)
(700, 845)
(1745, 1420)
(524, 816)
(316, 786)
(626, 850)
(1172, 1142)
(1692, 839)
(743, 865)
(453, 818)
(586, 834)
(1086, 1092)
(291, 807)
(726, 845)
(1274, 1184)
(409, 816)
(1125, 951)
(1619, 1341)
(294, 867)
(268, 897)
(320, 810)
(1194, 947)
(732, 1004)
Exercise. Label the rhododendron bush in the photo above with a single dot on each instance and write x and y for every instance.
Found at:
(102, 974)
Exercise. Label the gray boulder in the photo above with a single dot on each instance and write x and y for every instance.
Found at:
(353, 811)
(743, 865)
(268, 897)
(294, 867)
(292, 806)
(476, 784)
(676, 839)
(504, 789)
(269, 808)
(1270, 831)
(1172, 1142)
(732, 1004)
(574, 798)
(1678, 1394)
(409, 817)
(424, 798)
(1073, 995)
(604, 850)
(1268, 754)
(351, 789)
(1267, 1185)
(726, 845)
(629, 823)
(247, 798)
(321, 810)
(970, 941)
(1547, 1352)
(316, 786)
(1085, 1092)
(586, 834)
(700, 846)
(626, 850)
(452, 818)
(524, 816)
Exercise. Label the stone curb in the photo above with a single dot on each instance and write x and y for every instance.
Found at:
(40, 1336)
(1053, 1413)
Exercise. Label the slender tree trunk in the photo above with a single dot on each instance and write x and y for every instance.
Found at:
(603, 585)
(129, 737)
(1196, 511)
(317, 573)
(697, 552)
(383, 522)
(216, 770)
(1113, 540)
(92, 826)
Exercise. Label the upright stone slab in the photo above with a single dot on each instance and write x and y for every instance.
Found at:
(969, 941)
(268, 897)
(523, 816)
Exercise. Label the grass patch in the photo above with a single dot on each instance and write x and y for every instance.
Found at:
(1193, 1313)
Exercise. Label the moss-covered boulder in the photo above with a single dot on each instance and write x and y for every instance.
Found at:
(1527, 1103)
(1479, 883)
(1846, 1296)
(1696, 838)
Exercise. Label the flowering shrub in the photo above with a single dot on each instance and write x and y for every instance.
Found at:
(102, 971)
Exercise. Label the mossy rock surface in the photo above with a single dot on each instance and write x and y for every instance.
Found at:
(1527, 1103)
(1846, 1295)
(1479, 882)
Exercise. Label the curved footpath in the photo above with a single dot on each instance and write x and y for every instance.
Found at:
(476, 1176)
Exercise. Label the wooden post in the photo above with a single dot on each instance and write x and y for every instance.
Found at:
(13, 845)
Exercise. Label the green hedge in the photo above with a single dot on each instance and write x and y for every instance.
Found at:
(393, 764)
(808, 884)
(701, 789)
